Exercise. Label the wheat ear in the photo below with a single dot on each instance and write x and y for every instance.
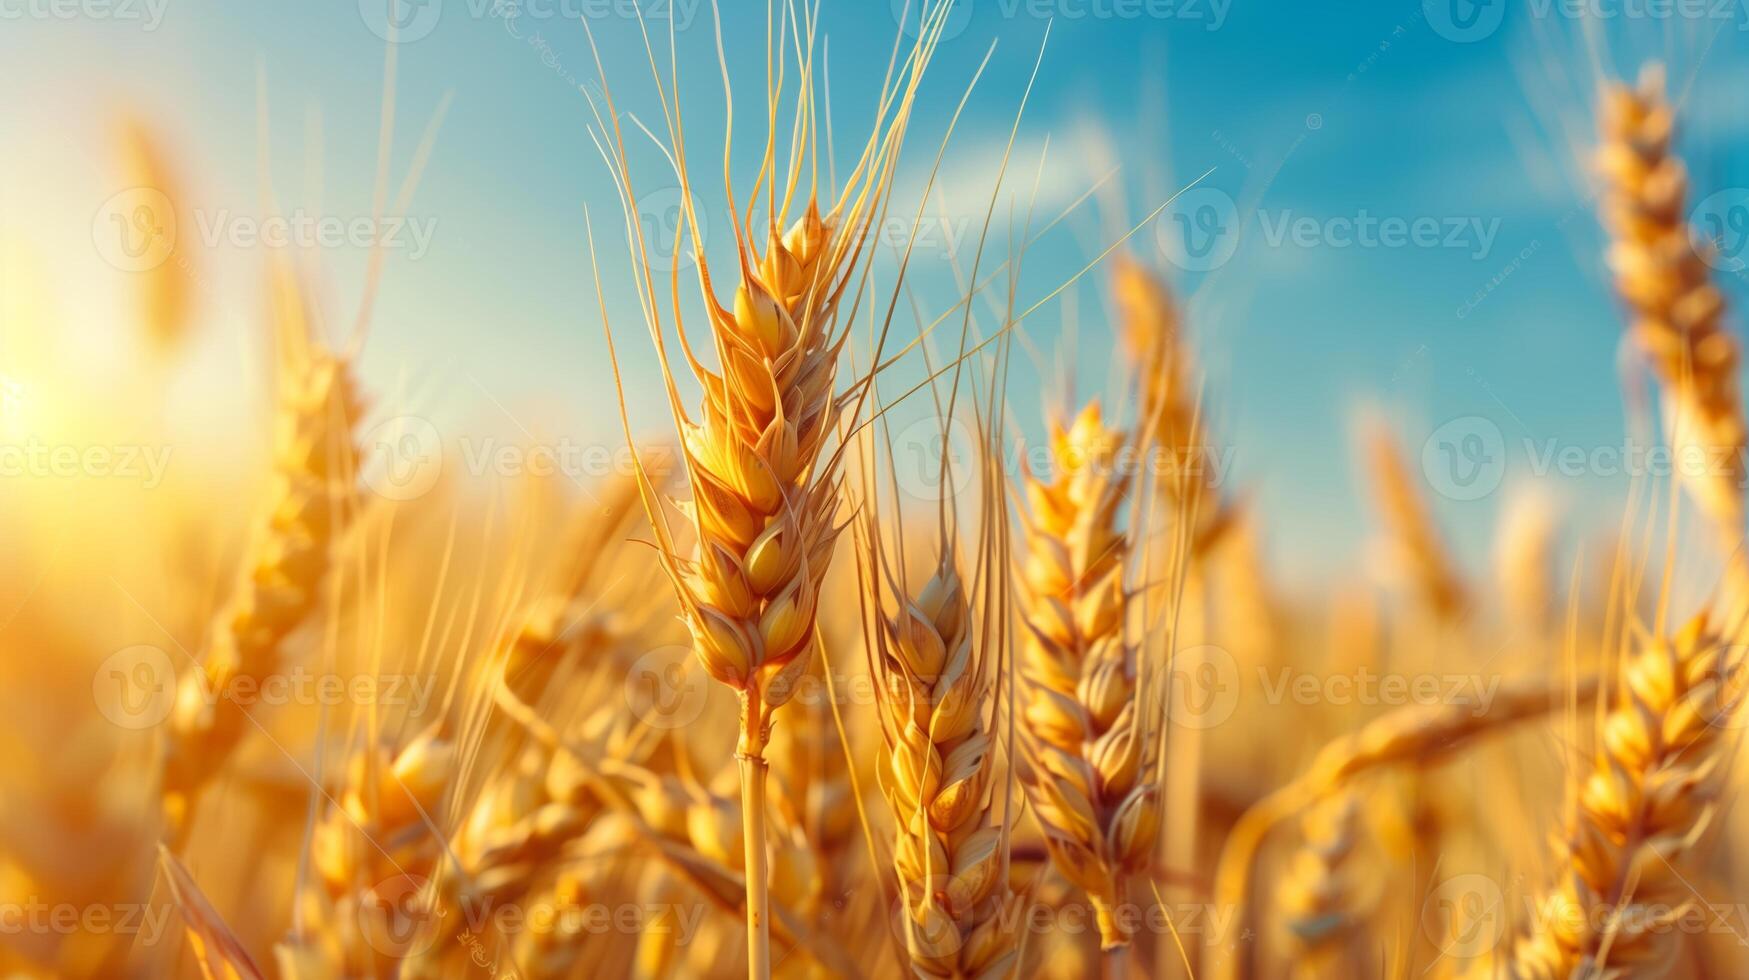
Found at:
(1092, 761)
(1152, 332)
(1318, 897)
(313, 500)
(764, 494)
(1650, 796)
(1677, 313)
(1414, 538)
(937, 769)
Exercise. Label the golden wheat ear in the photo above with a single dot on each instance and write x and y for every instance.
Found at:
(1676, 313)
(313, 501)
(764, 491)
(937, 652)
(1092, 751)
(1652, 794)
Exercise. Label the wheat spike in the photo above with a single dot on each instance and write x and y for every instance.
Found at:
(1319, 898)
(1651, 795)
(764, 495)
(1152, 333)
(1414, 538)
(1092, 763)
(937, 773)
(164, 290)
(1677, 313)
(313, 501)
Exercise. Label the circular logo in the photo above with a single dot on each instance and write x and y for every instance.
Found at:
(909, 15)
(135, 687)
(664, 691)
(135, 229)
(1199, 230)
(400, 21)
(1731, 673)
(922, 923)
(1464, 459)
(406, 458)
(1465, 916)
(670, 236)
(1719, 228)
(1205, 687)
(1464, 21)
(933, 461)
(398, 916)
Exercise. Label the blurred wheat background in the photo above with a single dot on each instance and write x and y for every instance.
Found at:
(996, 488)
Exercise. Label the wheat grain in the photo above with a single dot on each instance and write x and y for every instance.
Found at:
(1318, 897)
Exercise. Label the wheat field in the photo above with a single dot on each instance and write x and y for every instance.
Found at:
(897, 611)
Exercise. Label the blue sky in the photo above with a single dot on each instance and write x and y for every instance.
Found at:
(1335, 114)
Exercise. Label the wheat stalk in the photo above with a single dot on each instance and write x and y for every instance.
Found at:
(1677, 313)
(1651, 795)
(1092, 761)
(314, 464)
